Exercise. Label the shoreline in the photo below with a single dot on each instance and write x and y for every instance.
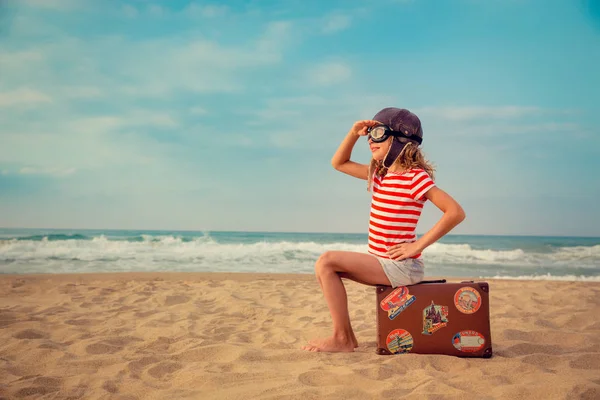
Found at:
(244, 276)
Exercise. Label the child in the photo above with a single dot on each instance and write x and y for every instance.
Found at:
(401, 181)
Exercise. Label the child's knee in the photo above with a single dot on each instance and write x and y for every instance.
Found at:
(325, 261)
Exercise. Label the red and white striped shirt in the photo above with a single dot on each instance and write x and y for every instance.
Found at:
(396, 206)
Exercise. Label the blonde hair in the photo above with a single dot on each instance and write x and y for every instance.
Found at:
(410, 157)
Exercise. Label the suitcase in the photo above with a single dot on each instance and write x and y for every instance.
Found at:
(434, 317)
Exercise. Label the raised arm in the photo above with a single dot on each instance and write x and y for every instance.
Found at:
(341, 158)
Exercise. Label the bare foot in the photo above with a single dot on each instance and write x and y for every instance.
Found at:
(354, 341)
(317, 342)
(330, 345)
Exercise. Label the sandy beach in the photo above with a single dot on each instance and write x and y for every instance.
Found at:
(230, 336)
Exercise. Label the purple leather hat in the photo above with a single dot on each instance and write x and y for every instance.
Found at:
(399, 120)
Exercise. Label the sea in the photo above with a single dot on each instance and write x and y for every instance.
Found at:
(52, 251)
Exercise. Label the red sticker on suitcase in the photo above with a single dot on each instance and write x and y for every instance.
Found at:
(397, 301)
(468, 341)
(467, 300)
(434, 318)
(399, 341)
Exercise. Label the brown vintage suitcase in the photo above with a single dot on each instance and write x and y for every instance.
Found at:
(434, 317)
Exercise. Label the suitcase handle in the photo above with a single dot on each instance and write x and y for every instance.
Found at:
(434, 281)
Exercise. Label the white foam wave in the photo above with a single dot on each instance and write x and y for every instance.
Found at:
(547, 277)
(581, 256)
(168, 252)
(155, 253)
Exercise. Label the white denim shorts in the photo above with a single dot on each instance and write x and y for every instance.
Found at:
(403, 272)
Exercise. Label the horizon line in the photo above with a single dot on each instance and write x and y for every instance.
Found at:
(294, 232)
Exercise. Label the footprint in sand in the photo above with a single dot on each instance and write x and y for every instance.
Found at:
(587, 361)
(18, 283)
(51, 346)
(543, 360)
(47, 381)
(584, 393)
(80, 322)
(31, 334)
(40, 386)
(523, 349)
(102, 348)
(515, 334)
(110, 387)
(164, 368)
(318, 378)
(111, 345)
(177, 299)
(34, 390)
(7, 318)
(144, 314)
(394, 393)
(137, 366)
(378, 373)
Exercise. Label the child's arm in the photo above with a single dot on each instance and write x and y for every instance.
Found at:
(341, 158)
(453, 215)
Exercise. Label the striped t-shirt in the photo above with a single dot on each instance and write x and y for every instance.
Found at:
(396, 206)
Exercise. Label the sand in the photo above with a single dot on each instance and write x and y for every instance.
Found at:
(238, 336)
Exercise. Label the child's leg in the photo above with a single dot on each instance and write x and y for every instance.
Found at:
(330, 268)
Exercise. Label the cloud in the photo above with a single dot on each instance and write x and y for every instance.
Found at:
(134, 138)
(156, 11)
(275, 35)
(130, 11)
(23, 97)
(152, 85)
(118, 66)
(336, 23)
(496, 129)
(469, 113)
(198, 111)
(51, 171)
(82, 92)
(205, 11)
(192, 10)
(18, 59)
(135, 118)
(486, 122)
(329, 73)
(58, 5)
(91, 147)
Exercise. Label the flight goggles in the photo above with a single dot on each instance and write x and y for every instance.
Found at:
(380, 133)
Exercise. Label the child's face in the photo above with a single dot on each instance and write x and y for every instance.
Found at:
(379, 150)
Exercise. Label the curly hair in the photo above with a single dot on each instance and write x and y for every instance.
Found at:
(410, 157)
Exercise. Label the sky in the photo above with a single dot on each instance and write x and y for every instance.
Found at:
(181, 115)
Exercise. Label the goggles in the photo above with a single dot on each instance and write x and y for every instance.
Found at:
(380, 133)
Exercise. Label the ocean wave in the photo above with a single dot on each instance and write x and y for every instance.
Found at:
(583, 256)
(52, 237)
(80, 253)
(547, 277)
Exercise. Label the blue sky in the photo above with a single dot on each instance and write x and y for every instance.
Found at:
(225, 115)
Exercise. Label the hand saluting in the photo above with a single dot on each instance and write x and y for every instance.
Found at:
(361, 127)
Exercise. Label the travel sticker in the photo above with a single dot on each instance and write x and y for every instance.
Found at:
(397, 301)
(434, 318)
(467, 300)
(468, 341)
(399, 341)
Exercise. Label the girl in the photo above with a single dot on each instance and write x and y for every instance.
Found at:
(401, 181)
